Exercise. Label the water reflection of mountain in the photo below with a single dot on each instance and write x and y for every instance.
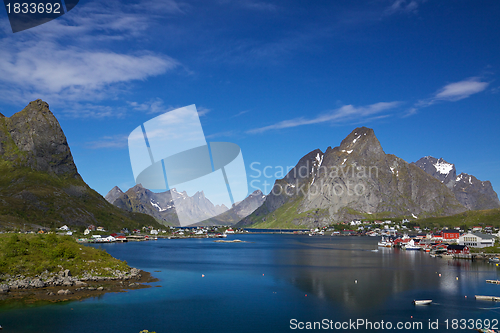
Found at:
(344, 270)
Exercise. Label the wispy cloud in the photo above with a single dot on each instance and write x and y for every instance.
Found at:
(109, 142)
(460, 90)
(45, 69)
(157, 105)
(258, 5)
(239, 114)
(403, 6)
(221, 134)
(251, 4)
(67, 60)
(455, 91)
(343, 114)
(89, 110)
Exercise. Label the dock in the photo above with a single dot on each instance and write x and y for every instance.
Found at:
(493, 281)
(488, 298)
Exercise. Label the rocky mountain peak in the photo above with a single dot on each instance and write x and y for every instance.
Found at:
(256, 193)
(33, 138)
(361, 140)
(438, 168)
(471, 192)
(113, 194)
(353, 180)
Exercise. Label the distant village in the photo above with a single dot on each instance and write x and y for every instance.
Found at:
(454, 242)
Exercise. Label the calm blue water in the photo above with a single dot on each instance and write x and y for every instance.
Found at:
(259, 286)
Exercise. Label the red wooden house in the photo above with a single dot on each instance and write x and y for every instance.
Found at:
(450, 234)
(458, 249)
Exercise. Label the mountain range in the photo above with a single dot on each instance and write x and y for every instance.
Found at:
(197, 207)
(359, 180)
(40, 186)
(471, 192)
(39, 182)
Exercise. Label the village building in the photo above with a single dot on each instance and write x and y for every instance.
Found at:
(457, 249)
(476, 240)
(450, 234)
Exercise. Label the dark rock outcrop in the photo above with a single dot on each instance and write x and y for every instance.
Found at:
(34, 138)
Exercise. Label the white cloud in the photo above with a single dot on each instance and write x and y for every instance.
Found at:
(456, 91)
(48, 69)
(70, 59)
(460, 90)
(342, 114)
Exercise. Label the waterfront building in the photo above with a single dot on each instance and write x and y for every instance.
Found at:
(476, 240)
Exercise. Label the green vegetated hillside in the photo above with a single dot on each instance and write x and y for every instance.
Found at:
(39, 182)
(32, 254)
(489, 217)
(31, 199)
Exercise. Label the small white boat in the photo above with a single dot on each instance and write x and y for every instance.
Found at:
(384, 242)
(411, 246)
(422, 302)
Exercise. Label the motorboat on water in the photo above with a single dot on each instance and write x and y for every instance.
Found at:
(412, 246)
(384, 242)
(422, 302)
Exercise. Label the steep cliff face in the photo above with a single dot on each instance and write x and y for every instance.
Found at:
(34, 138)
(471, 192)
(355, 179)
(39, 181)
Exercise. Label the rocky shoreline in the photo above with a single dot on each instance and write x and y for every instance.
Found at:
(62, 286)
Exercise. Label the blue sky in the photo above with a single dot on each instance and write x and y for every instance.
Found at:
(277, 78)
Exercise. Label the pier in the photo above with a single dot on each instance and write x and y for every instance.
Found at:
(488, 298)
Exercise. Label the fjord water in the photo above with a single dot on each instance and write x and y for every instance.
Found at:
(263, 283)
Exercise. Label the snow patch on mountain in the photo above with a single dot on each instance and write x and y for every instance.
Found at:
(443, 167)
(154, 204)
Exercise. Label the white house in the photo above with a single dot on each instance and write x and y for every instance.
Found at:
(476, 240)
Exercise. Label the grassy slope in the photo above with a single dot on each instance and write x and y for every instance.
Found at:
(286, 217)
(40, 199)
(30, 255)
(489, 217)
